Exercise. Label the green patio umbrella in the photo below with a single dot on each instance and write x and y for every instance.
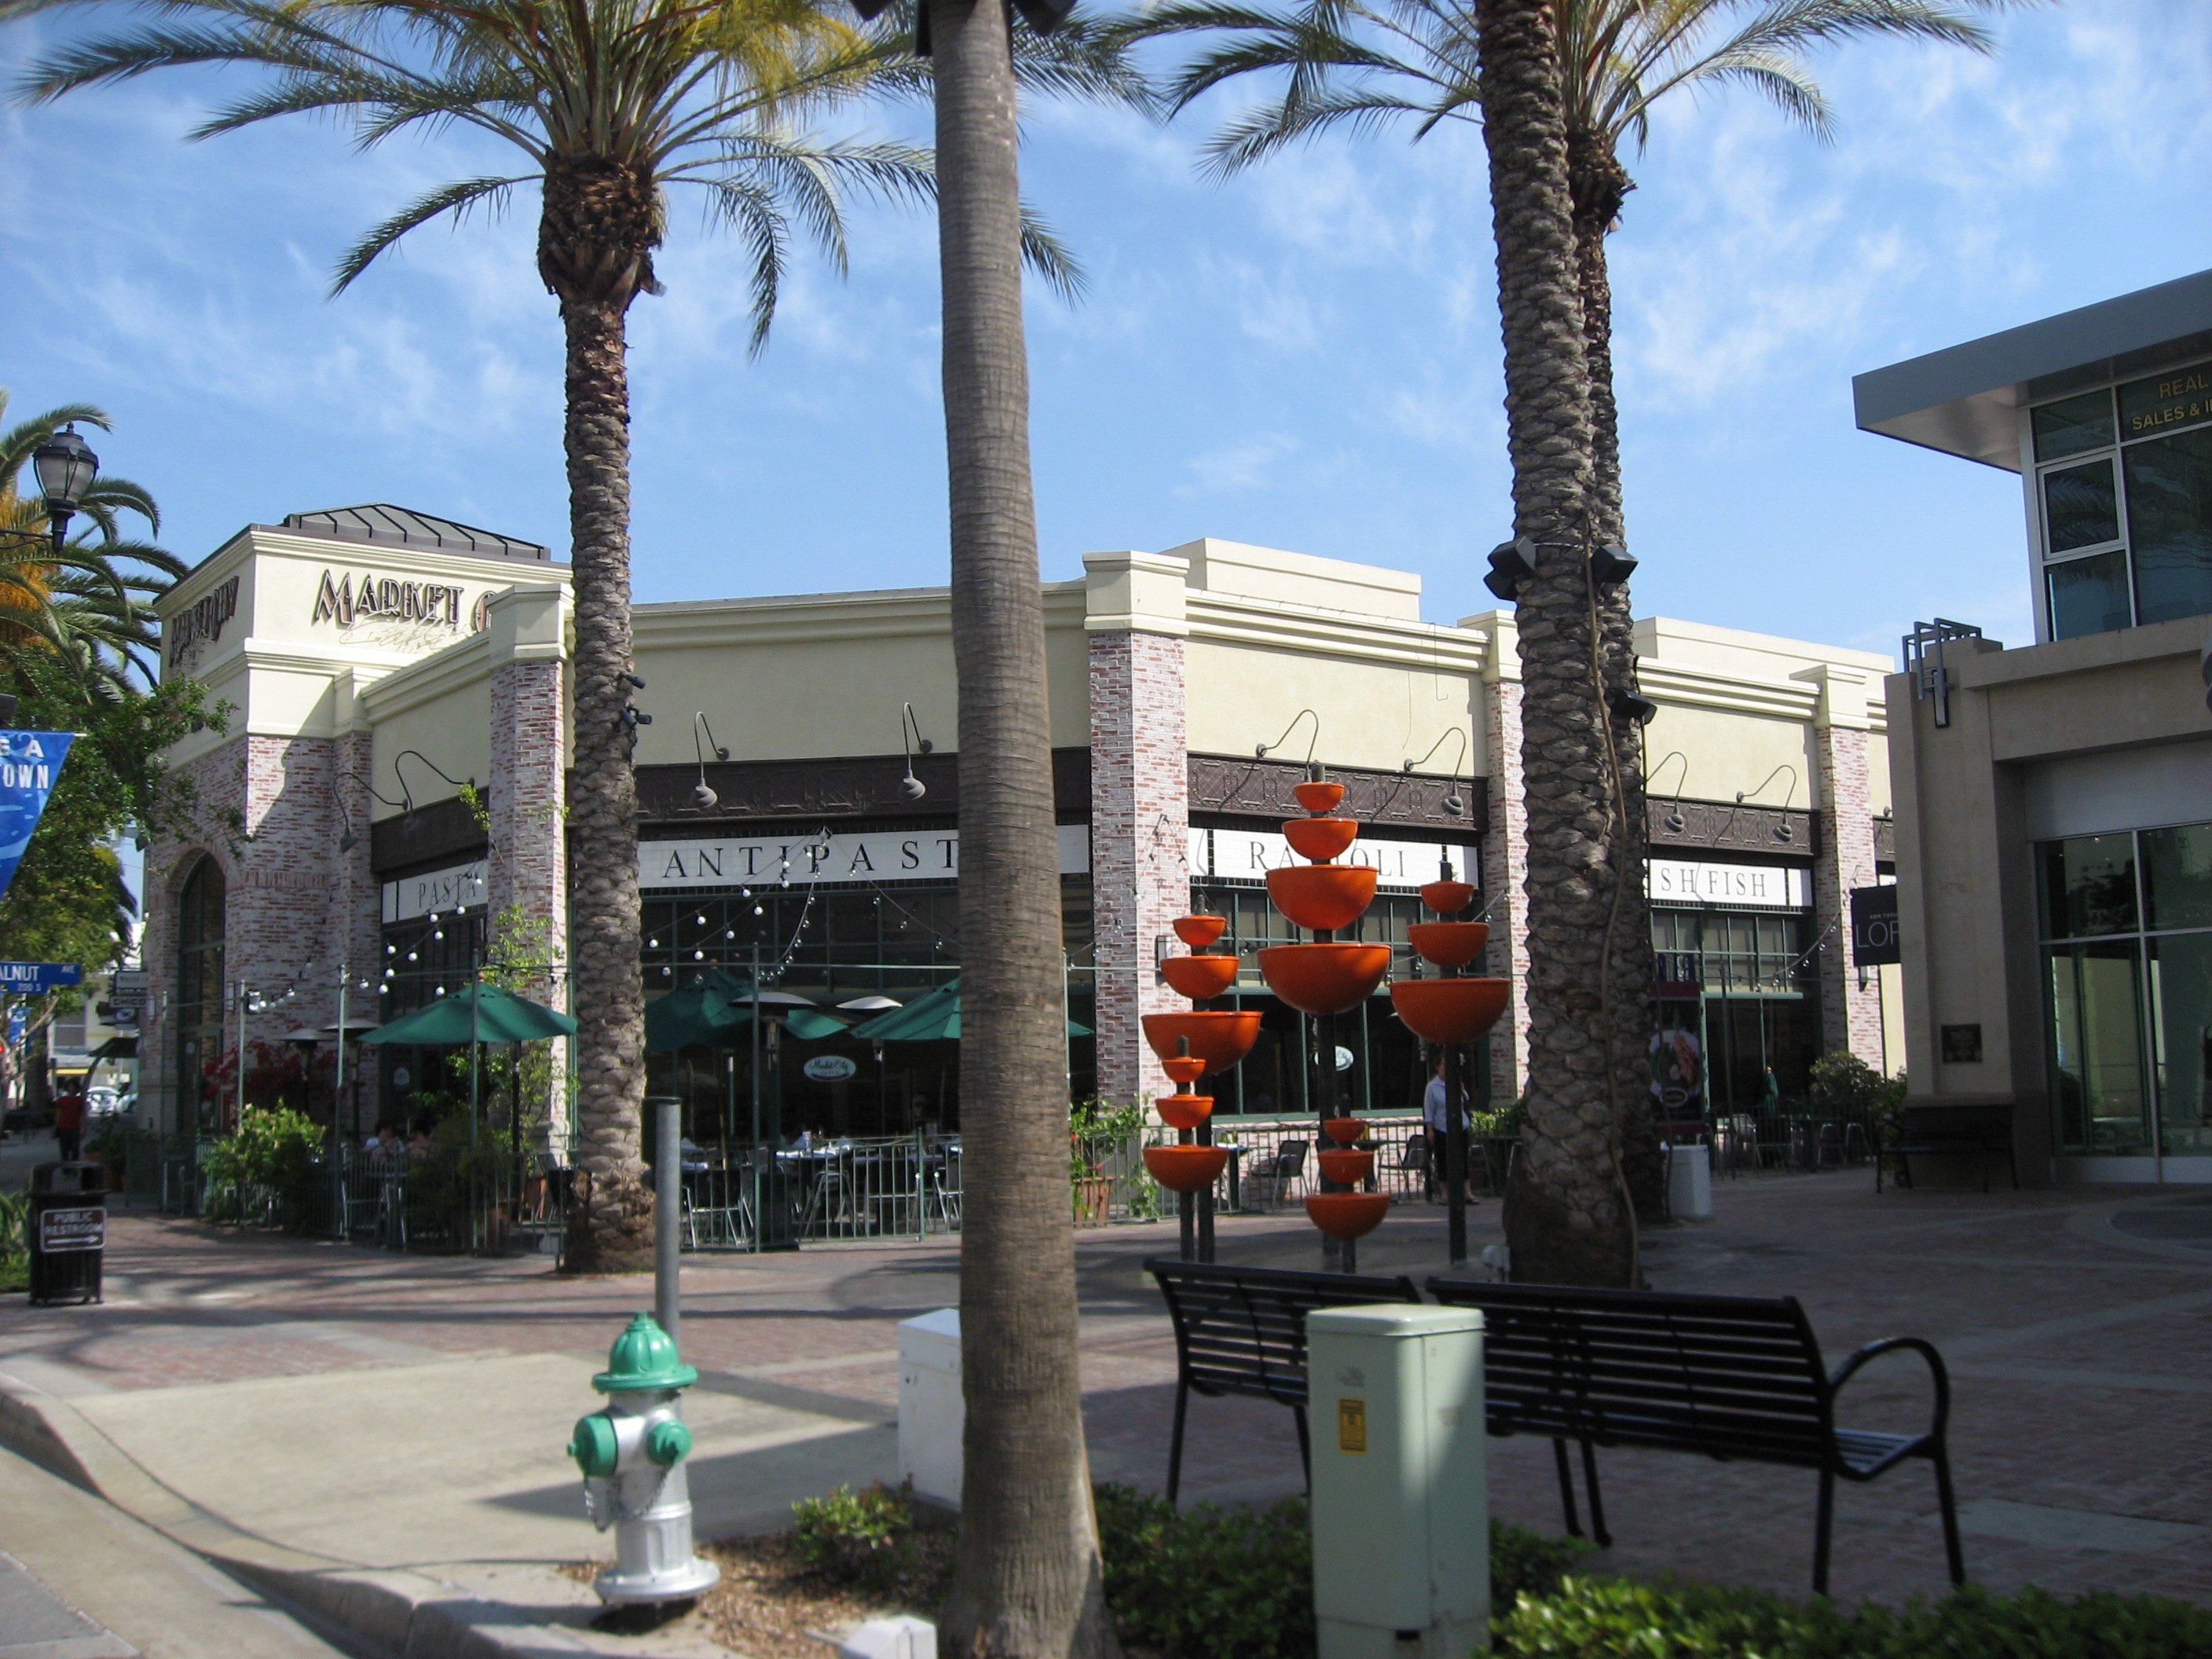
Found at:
(476, 1013)
(811, 1024)
(931, 1018)
(702, 1015)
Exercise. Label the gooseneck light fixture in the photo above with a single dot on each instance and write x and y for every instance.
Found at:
(66, 467)
(1784, 830)
(1265, 748)
(407, 802)
(912, 743)
(703, 795)
(1452, 802)
(1674, 821)
(348, 837)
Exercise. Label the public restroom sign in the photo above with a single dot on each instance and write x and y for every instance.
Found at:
(30, 761)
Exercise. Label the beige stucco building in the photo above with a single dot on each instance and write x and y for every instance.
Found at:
(401, 719)
(2054, 800)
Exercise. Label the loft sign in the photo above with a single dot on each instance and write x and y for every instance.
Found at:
(204, 620)
(342, 599)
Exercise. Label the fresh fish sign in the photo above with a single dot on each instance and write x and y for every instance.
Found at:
(29, 763)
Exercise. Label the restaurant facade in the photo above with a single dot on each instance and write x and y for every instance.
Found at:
(2054, 799)
(394, 756)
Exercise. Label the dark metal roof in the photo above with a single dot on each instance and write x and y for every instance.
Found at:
(381, 521)
(1964, 400)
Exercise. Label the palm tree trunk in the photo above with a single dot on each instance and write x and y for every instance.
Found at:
(594, 249)
(1567, 1220)
(1598, 184)
(1028, 1579)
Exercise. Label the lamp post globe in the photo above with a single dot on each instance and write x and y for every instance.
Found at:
(66, 467)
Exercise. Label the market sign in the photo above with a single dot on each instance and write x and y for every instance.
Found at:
(874, 857)
(1399, 866)
(1689, 882)
(1875, 941)
(342, 598)
(30, 761)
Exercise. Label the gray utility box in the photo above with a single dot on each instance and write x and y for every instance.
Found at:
(1401, 1482)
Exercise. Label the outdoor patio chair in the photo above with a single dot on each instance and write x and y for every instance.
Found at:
(1413, 1162)
(1268, 1181)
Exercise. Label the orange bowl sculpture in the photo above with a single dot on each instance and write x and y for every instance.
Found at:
(1347, 1167)
(1183, 1111)
(1183, 1068)
(1450, 944)
(1318, 796)
(1450, 1010)
(1447, 898)
(1346, 1215)
(1198, 977)
(1346, 1129)
(1200, 931)
(1186, 1169)
(1320, 839)
(1322, 896)
(1324, 979)
(1219, 1037)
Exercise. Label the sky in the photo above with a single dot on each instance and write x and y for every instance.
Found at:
(1305, 356)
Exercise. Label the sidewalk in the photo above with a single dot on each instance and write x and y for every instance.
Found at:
(387, 1433)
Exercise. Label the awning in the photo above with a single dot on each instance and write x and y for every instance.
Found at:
(476, 1013)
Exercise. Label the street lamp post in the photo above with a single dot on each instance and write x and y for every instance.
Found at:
(66, 467)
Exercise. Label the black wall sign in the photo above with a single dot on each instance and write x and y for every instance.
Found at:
(1874, 926)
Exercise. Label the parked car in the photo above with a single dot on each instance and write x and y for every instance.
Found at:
(100, 1101)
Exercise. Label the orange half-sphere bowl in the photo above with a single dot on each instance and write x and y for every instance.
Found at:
(1346, 1215)
(1330, 896)
(1200, 931)
(1324, 979)
(1219, 1037)
(1447, 898)
(1189, 1169)
(1320, 839)
(1318, 797)
(1183, 1068)
(1346, 1129)
(1450, 944)
(1450, 1010)
(1183, 1111)
(1348, 1168)
(1199, 977)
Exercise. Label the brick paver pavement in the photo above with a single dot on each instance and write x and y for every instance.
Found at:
(2081, 1349)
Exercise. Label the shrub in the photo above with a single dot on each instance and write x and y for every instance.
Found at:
(1614, 1619)
(14, 1241)
(863, 1538)
(272, 1155)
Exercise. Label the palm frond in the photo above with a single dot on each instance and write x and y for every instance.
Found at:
(456, 198)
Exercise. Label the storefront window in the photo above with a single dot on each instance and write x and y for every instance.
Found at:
(1760, 1011)
(200, 996)
(2130, 1005)
(2081, 508)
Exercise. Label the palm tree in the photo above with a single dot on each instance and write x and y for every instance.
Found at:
(86, 607)
(608, 105)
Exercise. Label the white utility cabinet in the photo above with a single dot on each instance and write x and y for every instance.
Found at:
(931, 1414)
(1690, 1182)
(1401, 1485)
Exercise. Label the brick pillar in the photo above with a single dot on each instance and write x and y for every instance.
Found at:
(1506, 856)
(1850, 1017)
(358, 924)
(528, 863)
(1140, 801)
(218, 781)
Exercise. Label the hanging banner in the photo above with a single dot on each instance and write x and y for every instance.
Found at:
(29, 763)
(18, 1018)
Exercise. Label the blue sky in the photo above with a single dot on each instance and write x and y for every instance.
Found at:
(1305, 357)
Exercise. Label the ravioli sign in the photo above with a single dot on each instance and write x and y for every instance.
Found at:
(29, 763)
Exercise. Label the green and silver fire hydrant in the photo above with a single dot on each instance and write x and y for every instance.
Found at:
(632, 1455)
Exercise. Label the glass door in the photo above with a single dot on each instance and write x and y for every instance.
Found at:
(2097, 1027)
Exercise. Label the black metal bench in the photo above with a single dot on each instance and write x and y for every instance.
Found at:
(1243, 1331)
(1981, 1129)
(1738, 1378)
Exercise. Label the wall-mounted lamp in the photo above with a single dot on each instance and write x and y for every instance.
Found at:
(1263, 751)
(407, 802)
(1511, 563)
(1628, 705)
(1452, 802)
(1611, 565)
(1674, 821)
(912, 743)
(348, 839)
(1784, 830)
(702, 796)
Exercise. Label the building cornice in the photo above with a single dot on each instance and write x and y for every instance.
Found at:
(464, 663)
(814, 618)
(1223, 619)
(1674, 685)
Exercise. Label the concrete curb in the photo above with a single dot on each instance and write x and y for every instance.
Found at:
(393, 1613)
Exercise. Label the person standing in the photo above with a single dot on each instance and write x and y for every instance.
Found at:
(1438, 1121)
(69, 1124)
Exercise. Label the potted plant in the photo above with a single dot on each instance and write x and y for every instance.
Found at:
(1096, 1130)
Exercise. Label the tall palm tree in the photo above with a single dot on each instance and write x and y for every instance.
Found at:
(1364, 63)
(609, 104)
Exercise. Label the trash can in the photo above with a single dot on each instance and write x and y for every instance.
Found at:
(1690, 1182)
(67, 1229)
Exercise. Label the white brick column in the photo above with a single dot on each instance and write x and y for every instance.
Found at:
(528, 865)
(1139, 800)
(1850, 1017)
(1505, 851)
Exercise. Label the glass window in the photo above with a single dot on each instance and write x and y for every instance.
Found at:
(2074, 424)
(2090, 596)
(2170, 526)
(2081, 506)
(2177, 876)
(2096, 1024)
(2088, 886)
(2179, 396)
(2181, 1038)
